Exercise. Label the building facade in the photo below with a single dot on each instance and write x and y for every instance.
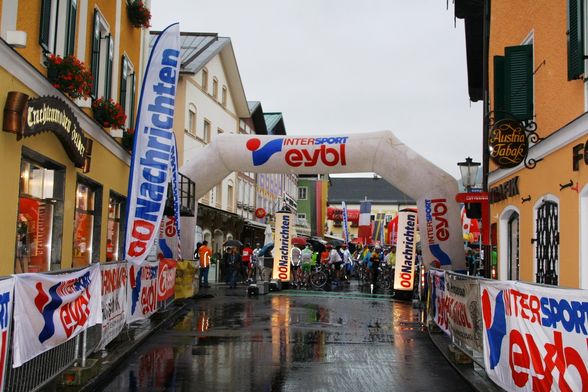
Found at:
(313, 192)
(65, 177)
(537, 135)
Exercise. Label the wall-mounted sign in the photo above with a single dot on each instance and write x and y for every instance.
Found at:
(47, 114)
(508, 143)
(503, 191)
(579, 153)
(260, 213)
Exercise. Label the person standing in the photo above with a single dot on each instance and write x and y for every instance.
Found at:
(235, 263)
(295, 259)
(255, 263)
(246, 257)
(347, 262)
(204, 253)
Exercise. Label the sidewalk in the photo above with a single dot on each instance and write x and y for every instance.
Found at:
(473, 373)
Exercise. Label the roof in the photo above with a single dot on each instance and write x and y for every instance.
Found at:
(198, 49)
(275, 123)
(257, 117)
(353, 190)
(472, 11)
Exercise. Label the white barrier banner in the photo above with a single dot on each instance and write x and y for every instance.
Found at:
(535, 337)
(439, 299)
(6, 302)
(51, 309)
(154, 145)
(284, 226)
(142, 291)
(463, 307)
(168, 243)
(114, 301)
(406, 250)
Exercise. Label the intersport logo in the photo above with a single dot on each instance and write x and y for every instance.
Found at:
(494, 314)
(301, 151)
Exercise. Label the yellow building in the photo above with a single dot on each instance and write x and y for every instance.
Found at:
(537, 134)
(64, 176)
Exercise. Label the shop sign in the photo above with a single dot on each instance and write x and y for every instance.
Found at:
(33, 116)
(508, 143)
(579, 153)
(503, 191)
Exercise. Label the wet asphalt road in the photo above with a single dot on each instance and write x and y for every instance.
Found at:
(291, 341)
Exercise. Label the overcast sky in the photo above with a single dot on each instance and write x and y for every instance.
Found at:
(341, 66)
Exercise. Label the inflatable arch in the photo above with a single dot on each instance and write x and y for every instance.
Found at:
(380, 152)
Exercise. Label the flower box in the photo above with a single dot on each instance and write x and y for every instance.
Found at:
(69, 75)
(139, 15)
(108, 113)
(118, 133)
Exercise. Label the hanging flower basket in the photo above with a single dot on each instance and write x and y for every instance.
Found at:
(139, 15)
(108, 113)
(69, 75)
(128, 140)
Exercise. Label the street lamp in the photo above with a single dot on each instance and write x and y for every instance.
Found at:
(469, 172)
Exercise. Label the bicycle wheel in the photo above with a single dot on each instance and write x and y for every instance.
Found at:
(318, 279)
(384, 282)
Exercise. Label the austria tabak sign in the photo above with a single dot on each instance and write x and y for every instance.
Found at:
(508, 143)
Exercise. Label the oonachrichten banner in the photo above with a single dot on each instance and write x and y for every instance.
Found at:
(284, 226)
(151, 162)
(406, 250)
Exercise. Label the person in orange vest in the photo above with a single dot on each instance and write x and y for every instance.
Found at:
(205, 253)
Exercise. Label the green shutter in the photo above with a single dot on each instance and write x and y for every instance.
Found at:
(132, 111)
(518, 66)
(122, 97)
(575, 39)
(499, 98)
(108, 74)
(95, 54)
(70, 36)
(45, 29)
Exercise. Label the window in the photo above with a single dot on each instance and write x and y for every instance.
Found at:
(192, 119)
(302, 192)
(224, 96)
(547, 242)
(55, 35)
(39, 226)
(127, 91)
(215, 88)
(206, 136)
(205, 80)
(576, 39)
(102, 56)
(513, 82)
(219, 131)
(87, 223)
(513, 246)
(116, 204)
(230, 197)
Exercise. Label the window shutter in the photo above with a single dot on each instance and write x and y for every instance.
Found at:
(96, 54)
(575, 39)
(70, 38)
(132, 111)
(108, 75)
(122, 99)
(518, 66)
(45, 25)
(499, 98)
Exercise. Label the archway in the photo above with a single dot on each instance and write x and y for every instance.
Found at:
(379, 152)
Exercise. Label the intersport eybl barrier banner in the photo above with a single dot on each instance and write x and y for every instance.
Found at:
(535, 337)
(51, 309)
(284, 226)
(151, 162)
(142, 291)
(6, 302)
(114, 301)
(438, 310)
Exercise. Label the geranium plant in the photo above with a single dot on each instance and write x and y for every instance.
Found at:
(108, 113)
(139, 14)
(69, 75)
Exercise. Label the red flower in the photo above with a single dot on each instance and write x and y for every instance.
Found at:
(109, 113)
(138, 14)
(69, 75)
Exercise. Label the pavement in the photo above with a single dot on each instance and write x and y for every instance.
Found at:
(106, 363)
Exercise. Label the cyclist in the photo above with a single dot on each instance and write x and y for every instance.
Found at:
(347, 262)
(306, 261)
(295, 259)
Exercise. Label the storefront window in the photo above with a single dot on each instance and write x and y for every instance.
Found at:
(40, 216)
(86, 228)
(113, 236)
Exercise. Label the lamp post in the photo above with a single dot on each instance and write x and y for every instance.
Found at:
(469, 172)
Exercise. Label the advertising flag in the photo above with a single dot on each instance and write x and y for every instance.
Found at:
(406, 250)
(345, 224)
(364, 230)
(6, 302)
(154, 147)
(176, 196)
(282, 244)
(51, 309)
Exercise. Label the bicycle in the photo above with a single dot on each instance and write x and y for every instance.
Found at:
(319, 276)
